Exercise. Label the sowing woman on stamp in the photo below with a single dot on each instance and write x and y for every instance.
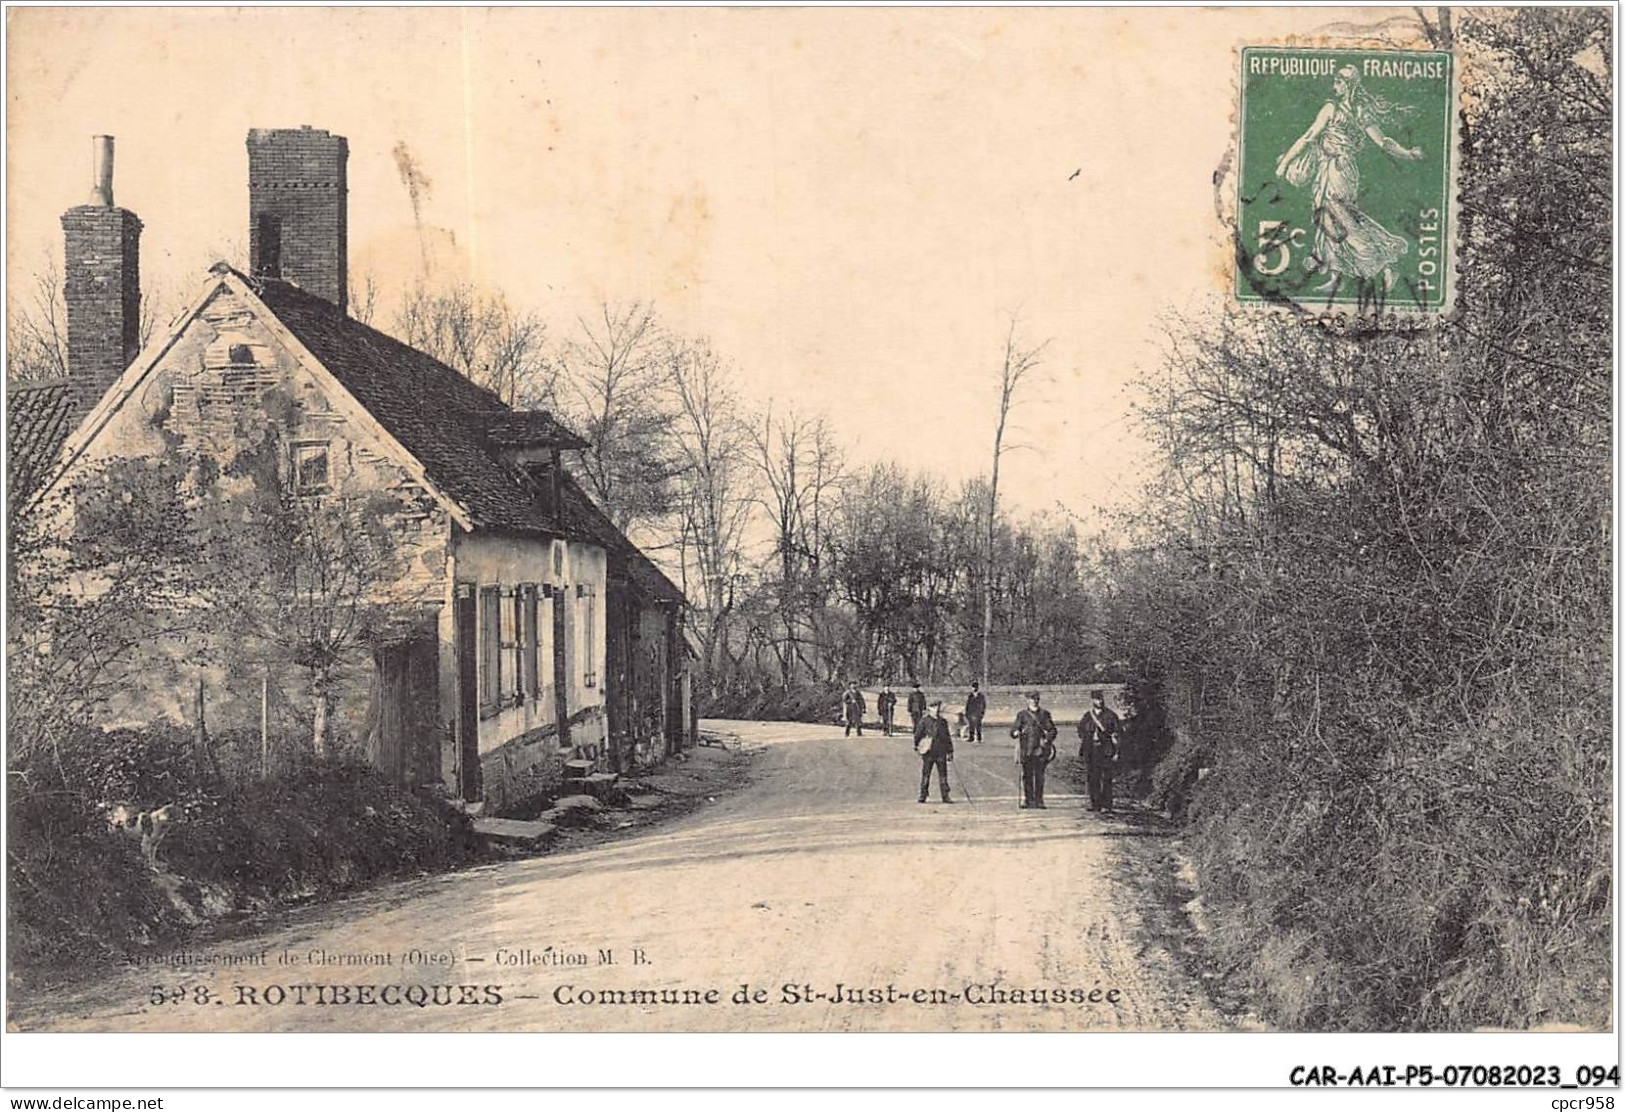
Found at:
(1326, 159)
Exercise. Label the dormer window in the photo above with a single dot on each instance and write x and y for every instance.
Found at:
(311, 474)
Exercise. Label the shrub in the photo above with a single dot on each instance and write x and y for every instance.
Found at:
(77, 891)
(82, 892)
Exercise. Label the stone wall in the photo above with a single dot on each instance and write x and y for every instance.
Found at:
(523, 769)
(229, 393)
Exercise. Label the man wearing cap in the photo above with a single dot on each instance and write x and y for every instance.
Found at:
(1098, 731)
(975, 711)
(1034, 732)
(886, 704)
(852, 708)
(935, 744)
(916, 704)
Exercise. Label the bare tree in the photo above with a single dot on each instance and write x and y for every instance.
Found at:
(801, 471)
(1019, 362)
(364, 295)
(482, 336)
(1376, 560)
(324, 566)
(102, 571)
(37, 332)
(612, 383)
(713, 490)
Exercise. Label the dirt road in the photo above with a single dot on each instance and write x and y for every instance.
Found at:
(821, 879)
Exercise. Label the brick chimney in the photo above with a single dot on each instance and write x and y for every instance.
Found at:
(298, 224)
(101, 286)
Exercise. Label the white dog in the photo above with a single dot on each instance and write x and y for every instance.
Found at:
(149, 827)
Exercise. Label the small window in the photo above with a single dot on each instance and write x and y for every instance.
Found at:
(241, 354)
(310, 469)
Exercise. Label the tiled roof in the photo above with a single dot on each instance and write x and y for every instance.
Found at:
(436, 414)
(39, 417)
(640, 570)
(649, 579)
(454, 429)
(526, 428)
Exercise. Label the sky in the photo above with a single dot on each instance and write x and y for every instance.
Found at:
(850, 203)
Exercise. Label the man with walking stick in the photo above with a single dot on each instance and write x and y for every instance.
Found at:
(1034, 732)
(935, 744)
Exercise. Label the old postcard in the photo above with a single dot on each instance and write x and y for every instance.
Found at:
(813, 520)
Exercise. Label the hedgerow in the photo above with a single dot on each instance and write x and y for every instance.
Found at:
(1371, 610)
(81, 892)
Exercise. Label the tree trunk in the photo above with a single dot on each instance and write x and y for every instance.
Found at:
(320, 717)
(203, 752)
(265, 725)
(987, 569)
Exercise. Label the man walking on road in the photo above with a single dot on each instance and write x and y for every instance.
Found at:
(975, 711)
(852, 709)
(886, 704)
(1034, 732)
(916, 705)
(1098, 731)
(935, 744)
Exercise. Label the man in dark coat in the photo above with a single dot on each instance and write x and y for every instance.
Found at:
(886, 704)
(934, 742)
(852, 709)
(1034, 732)
(916, 704)
(975, 711)
(1098, 731)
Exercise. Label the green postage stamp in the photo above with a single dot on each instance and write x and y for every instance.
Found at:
(1345, 201)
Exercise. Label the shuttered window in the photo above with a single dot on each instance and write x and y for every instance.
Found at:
(589, 636)
(490, 649)
(530, 638)
(545, 664)
(512, 681)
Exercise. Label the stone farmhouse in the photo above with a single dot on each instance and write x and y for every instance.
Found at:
(530, 635)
